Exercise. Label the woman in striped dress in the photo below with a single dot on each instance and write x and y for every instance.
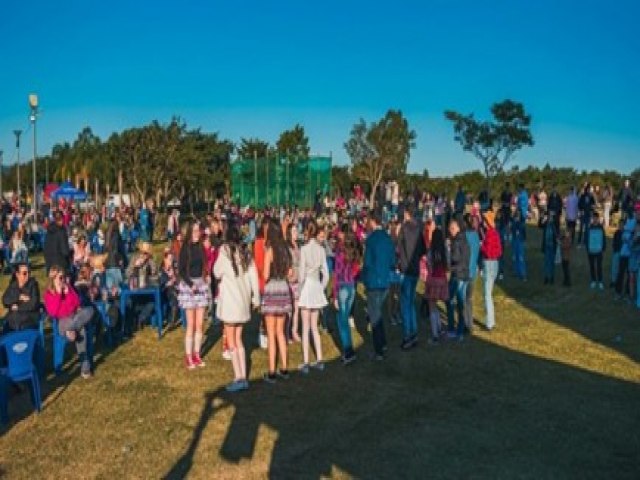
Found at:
(194, 293)
(276, 300)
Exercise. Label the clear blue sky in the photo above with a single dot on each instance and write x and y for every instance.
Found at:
(254, 68)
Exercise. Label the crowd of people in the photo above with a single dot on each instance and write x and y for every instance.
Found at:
(288, 266)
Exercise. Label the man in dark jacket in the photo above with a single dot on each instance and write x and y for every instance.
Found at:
(554, 205)
(459, 278)
(56, 244)
(379, 261)
(22, 300)
(411, 248)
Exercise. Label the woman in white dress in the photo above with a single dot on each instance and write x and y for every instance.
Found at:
(238, 286)
(313, 277)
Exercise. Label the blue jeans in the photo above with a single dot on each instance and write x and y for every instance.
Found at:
(615, 264)
(489, 275)
(549, 263)
(518, 246)
(457, 291)
(504, 233)
(346, 297)
(375, 301)
(113, 278)
(408, 306)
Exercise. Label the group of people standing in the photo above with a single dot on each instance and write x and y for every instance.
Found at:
(279, 263)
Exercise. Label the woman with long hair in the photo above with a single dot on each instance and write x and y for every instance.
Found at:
(347, 268)
(436, 287)
(238, 286)
(258, 256)
(291, 238)
(276, 300)
(62, 302)
(313, 276)
(194, 295)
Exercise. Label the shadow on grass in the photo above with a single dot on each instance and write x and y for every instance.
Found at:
(592, 313)
(458, 410)
(53, 386)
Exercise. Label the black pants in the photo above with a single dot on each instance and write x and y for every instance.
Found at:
(571, 226)
(622, 282)
(595, 267)
(566, 273)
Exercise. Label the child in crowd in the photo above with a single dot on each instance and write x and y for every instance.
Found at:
(596, 243)
(549, 245)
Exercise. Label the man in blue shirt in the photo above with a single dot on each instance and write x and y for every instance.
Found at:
(379, 261)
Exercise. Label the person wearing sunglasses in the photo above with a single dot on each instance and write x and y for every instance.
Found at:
(22, 300)
(62, 302)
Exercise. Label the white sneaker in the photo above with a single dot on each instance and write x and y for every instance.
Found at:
(226, 354)
(352, 322)
(601, 286)
(593, 285)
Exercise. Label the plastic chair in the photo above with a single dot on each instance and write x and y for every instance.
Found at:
(20, 348)
(60, 342)
(102, 308)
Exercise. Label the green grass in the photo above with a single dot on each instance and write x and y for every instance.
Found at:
(551, 393)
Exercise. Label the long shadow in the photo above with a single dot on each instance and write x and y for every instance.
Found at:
(592, 313)
(459, 410)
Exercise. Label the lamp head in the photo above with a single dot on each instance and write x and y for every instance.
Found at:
(33, 100)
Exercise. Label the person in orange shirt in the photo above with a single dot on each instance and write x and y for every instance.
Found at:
(258, 258)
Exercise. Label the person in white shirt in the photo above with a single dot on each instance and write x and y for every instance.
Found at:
(238, 287)
(313, 277)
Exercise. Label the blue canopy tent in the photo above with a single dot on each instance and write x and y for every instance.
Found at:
(69, 192)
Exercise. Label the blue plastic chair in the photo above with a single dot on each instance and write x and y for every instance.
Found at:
(102, 308)
(60, 342)
(19, 347)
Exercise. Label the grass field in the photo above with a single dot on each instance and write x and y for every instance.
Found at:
(553, 392)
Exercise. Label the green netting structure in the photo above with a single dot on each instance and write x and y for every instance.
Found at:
(285, 180)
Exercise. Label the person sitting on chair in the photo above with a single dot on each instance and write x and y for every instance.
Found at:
(142, 266)
(22, 300)
(62, 302)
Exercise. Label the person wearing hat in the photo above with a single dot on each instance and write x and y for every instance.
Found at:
(491, 251)
(142, 265)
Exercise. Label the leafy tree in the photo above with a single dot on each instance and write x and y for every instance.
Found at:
(253, 146)
(380, 150)
(495, 142)
(293, 142)
(341, 179)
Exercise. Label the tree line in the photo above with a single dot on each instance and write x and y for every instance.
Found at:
(169, 160)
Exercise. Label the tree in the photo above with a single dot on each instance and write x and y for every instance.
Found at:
(293, 142)
(253, 146)
(380, 150)
(494, 143)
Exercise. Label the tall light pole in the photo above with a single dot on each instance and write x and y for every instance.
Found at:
(17, 133)
(33, 104)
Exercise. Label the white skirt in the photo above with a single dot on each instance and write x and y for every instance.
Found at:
(312, 294)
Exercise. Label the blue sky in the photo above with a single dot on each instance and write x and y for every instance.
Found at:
(254, 68)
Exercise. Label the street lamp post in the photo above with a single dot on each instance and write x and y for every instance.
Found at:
(17, 133)
(33, 104)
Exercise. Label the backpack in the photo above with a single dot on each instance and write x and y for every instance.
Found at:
(596, 240)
